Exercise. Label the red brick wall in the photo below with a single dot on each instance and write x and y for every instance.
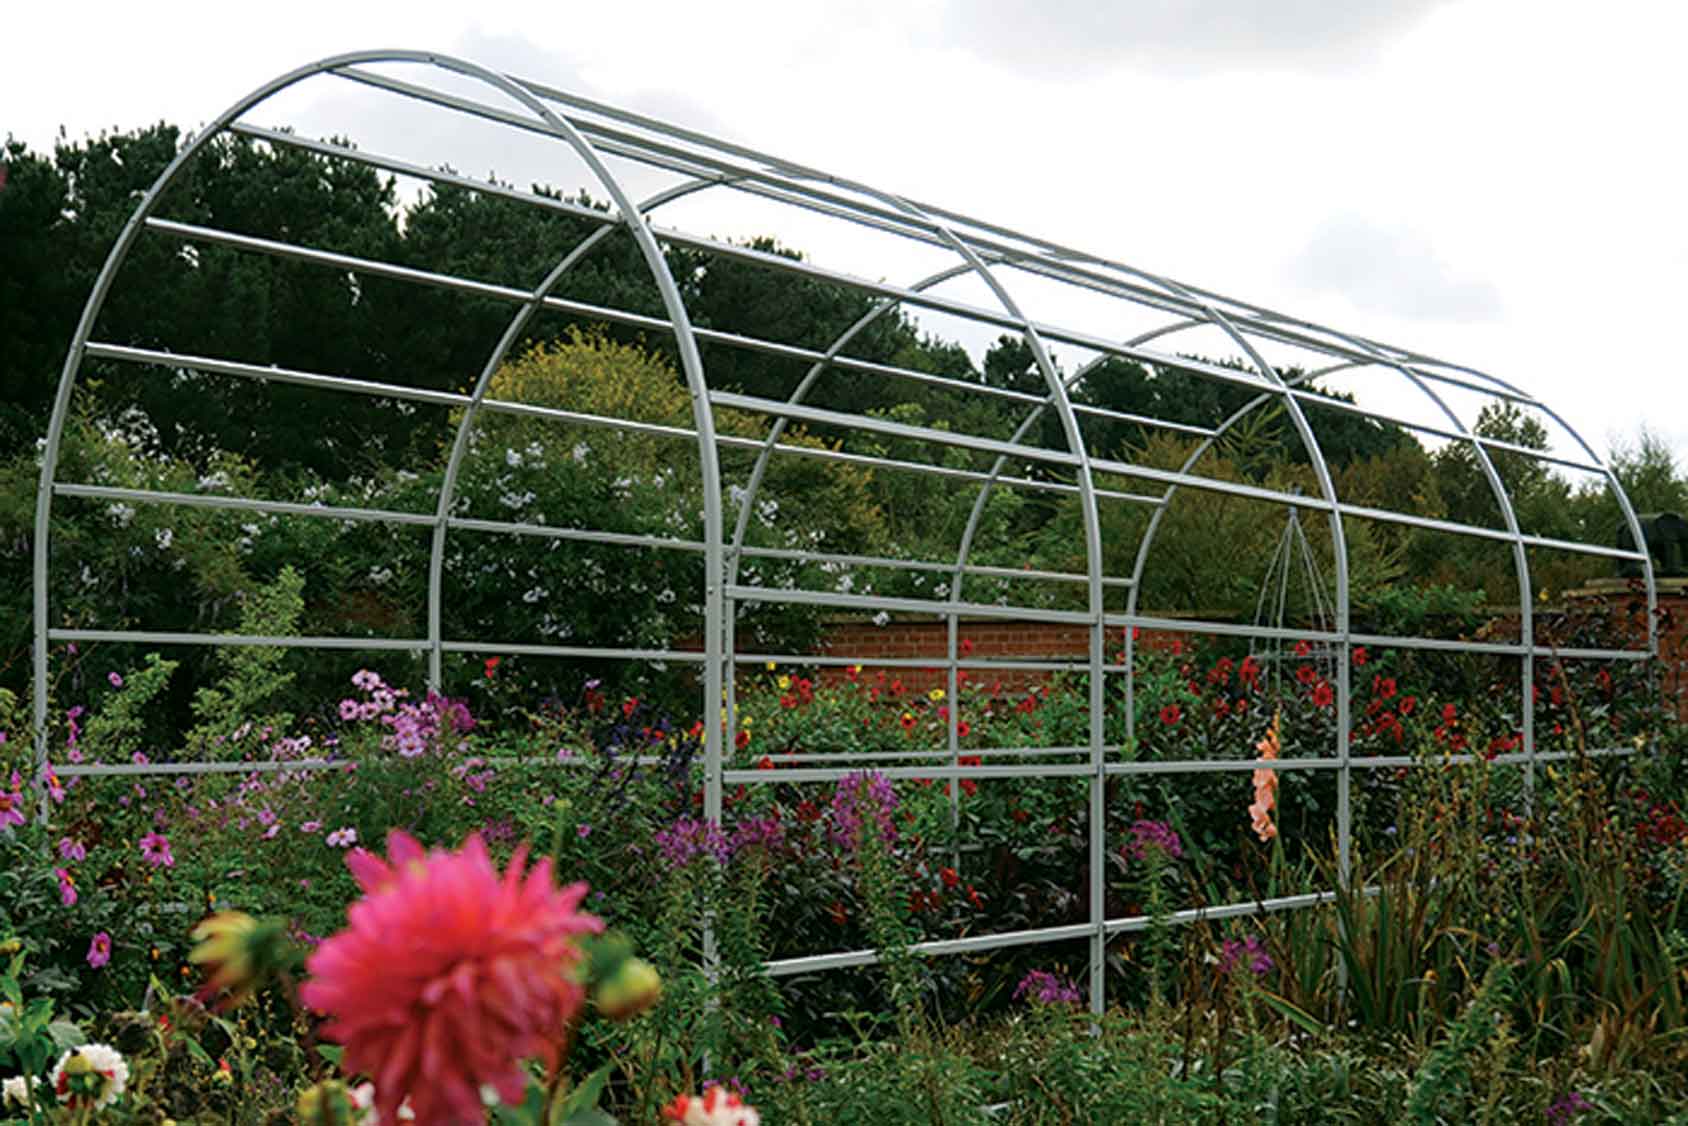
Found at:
(991, 639)
(1005, 639)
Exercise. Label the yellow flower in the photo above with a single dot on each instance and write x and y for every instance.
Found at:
(329, 1102)
(239, 954)
(772, 666)
(784, 682)
(936, 695)
(633, 988)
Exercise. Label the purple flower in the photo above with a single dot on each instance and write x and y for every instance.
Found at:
(343, 838)
(311, 827)
(155, 847)
(71, 849)
(1249, 952)
(349, 710)
(758, 832)
(11, 803)
(583, 830)
(67, 887)
(1146, 835)
(688, 839)
(99, 950)
(1566, 1108)
(1040, 987)
(866, 794)
(116, 681)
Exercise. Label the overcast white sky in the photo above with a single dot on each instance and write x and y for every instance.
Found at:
(1495, 182)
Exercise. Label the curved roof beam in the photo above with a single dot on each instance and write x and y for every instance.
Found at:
(460, 441)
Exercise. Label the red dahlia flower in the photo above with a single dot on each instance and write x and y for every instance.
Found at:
(448, 975)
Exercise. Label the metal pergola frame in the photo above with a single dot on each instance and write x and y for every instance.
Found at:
(992, 255)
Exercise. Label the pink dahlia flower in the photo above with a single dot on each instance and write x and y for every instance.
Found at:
(448, 975)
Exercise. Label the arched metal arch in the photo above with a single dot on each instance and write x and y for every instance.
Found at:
(996, 255)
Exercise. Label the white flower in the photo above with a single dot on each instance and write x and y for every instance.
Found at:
(14, 1091)
(97, 1075)
(881, 618)
(363, 1099)
(121, 514)
(164, 538)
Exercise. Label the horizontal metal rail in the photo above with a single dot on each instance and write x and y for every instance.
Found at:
(1328, 402)
(974, 944)
(1378, 640)
(929, 565)
(160, 637)
(833, 774)
(244, 504)
(781, 774)
(614, 539)
(906, 605)
(147, 769)
(151, 356)
(372, 644)
(934, 664)
(587, 652)
(872, 424)
(781, 758)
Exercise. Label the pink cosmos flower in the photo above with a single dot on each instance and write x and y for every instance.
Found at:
(343, 838)
(71, 849)
(99, 950)
(155, 848)
(67, 887)
(11, 803)
(448, 975)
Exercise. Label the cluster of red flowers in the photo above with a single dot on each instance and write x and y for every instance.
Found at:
(932, 899)
(1662, 824)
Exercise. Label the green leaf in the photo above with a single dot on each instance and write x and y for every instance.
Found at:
(331, 1053)
(66, 1035)
(585, 1096)
(591, 1116)
(200, 1054)
(1293, 1013)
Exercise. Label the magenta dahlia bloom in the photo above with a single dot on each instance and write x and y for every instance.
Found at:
(448, 975)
